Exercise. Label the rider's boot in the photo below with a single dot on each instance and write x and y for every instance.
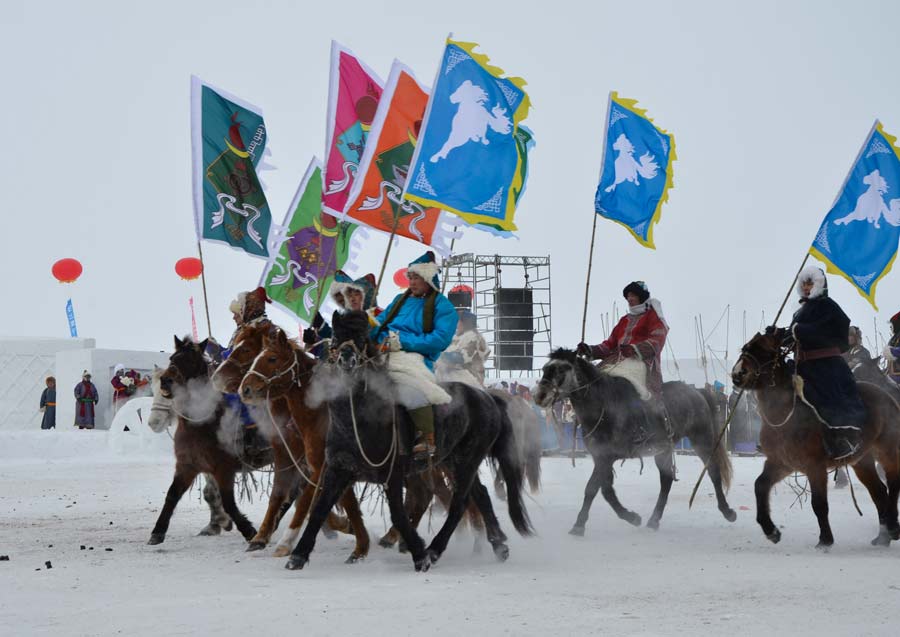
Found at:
(841, 443)
(423, 419)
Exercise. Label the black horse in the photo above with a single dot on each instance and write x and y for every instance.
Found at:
(368, 441)
(198, 439)
(612, 415)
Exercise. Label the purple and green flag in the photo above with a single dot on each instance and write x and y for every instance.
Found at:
(314, 245)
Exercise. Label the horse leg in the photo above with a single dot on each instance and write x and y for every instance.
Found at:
(225, 480)
(772, 473)
(495, 535)
(715, 476)
(464, 473)
(868, 475)
(890, 463)
(333, 483)
(818, 486)
(602, 479)
(665, 463)
(218, 519)
(301, 508)
(400, 521)
(281, 488)
(499, 489)
(418, 496)
(354, 515)
(181, 482)
(476, 519)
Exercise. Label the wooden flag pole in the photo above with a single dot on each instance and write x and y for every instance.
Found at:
(738, 399)
(587, 283)
(387, 253)
(203, 281)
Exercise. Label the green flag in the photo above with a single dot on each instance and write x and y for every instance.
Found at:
(228, 139)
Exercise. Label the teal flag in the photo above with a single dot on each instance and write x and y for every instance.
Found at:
(228, 139)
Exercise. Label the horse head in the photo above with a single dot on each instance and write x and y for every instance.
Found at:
(161, 409)
(351, 346)
(247, 345)
(468, 92)
(559, 378)
(280, 364)
(761, 360)
(186, 362)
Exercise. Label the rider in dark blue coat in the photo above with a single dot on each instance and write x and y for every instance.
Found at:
(820, 330)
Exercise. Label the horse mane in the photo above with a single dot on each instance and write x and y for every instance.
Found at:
(618, 388)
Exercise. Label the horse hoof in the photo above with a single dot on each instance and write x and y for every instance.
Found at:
(156, 538)
(729, 514)
(894, 533)
(423, 564)
(385, 543)
(774, 537)
(255, 545)
(501, 552)
(653, 523)
(228, 526)
(210, 530)
(354, 558)
(401, 547)
(633, 519)
(883, 539)
(577, 531)
(281, 551)
(296, 563)
(823, 546)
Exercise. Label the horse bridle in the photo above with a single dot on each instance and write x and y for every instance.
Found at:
(268, 380)
(775, 363)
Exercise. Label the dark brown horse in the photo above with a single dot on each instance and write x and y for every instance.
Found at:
(287, 441)
(274, 379)
(198, 438)
(791, 439)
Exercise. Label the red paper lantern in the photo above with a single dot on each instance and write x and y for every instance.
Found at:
(189, 268)
(67, 270)
(401, 279)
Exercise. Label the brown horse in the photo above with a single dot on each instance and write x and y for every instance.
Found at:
(791, 439)
(197, 440)
(271, 379)
(288, 448)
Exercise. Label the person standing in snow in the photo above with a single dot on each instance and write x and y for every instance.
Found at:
(86, 399)
(48, 404)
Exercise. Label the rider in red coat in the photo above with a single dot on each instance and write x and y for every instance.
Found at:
(640, 334)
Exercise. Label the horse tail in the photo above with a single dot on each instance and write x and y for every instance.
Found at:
(505, 455)
(720, 456)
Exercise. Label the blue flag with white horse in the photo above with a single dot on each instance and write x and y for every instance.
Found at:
(637, 169)
(859, 236)
(471, 155)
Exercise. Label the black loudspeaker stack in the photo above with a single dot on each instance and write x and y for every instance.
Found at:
(514, 329)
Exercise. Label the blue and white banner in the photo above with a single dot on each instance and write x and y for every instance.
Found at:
(70, 315)
(467, 158)
(859, 236)
(637, 169)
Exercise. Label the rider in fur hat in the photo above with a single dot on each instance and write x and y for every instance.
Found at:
(819, 330)
(640, 334)
(416, 328)
(348, 294)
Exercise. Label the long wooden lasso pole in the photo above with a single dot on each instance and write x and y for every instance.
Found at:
(587, 283)
(738, 400)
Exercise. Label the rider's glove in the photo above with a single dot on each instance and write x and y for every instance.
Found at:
(583, 349)
(393, 342)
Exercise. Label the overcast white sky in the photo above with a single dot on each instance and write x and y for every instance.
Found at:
(769, 103)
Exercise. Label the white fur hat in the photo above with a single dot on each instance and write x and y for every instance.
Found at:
(426, 268)
(817, 276)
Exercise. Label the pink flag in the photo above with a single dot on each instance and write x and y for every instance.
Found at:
(353, 95)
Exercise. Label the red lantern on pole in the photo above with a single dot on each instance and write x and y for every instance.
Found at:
(189, 268)
(400, 278)
(67, 270)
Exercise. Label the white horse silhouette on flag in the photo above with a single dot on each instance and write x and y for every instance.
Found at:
(472, 119)
(627, 168)
(870, 205)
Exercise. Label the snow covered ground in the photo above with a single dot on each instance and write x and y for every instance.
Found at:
(698, 574)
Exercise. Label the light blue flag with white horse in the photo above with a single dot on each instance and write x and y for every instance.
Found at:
(859, 236)
(471, 155)
(637, 169)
